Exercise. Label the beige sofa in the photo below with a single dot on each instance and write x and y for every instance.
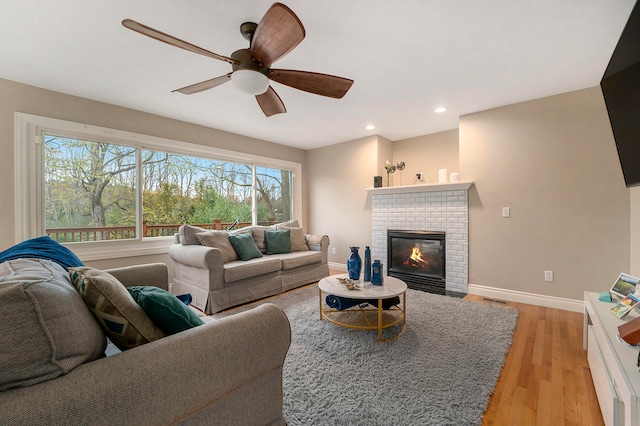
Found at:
(225, 372)
(217, 279)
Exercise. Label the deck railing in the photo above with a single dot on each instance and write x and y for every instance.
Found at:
(73, 235)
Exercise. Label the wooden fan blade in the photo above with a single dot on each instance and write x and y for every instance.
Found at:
(312, 82)
(277, 34)
(270, 103)
(173, 41)
(204, 85)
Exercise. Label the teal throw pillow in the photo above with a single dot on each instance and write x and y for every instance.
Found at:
(164, 309)
(278, 241)
(244, 245)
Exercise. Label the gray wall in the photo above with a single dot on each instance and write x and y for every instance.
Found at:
(552, 161)
(16, 97)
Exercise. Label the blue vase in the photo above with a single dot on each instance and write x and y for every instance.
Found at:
(376, 277)
(354, 263)
(367, 264)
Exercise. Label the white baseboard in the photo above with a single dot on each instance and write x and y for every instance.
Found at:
(529, 298)
(510, 295)
(342, 267)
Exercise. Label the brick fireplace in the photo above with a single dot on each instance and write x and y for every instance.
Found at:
(431, 207)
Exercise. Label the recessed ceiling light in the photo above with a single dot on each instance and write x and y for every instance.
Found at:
(440, 109)
(370, 127)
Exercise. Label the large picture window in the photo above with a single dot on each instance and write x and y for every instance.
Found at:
(90, 185)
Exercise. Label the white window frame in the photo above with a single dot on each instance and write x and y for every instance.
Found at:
(29, 182)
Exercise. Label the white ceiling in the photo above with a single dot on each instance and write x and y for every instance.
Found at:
(407, 57)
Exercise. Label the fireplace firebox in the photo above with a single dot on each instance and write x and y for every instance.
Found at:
(418, 259)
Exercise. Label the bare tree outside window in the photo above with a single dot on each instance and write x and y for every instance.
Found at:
(93, 185)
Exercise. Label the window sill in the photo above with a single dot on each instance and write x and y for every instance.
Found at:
(103, 250)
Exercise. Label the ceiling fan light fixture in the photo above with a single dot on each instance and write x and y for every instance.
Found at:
(250, 82)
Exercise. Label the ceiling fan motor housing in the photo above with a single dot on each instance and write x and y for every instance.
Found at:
(246, 62)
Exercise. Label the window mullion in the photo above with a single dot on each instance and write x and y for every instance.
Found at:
(254, 193)
(139, 193)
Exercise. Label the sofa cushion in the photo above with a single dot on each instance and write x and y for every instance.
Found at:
(219, 240)
(314, 240)
(187, 235)
(122, 319)
(245, 246)
(46, 330)
(293, 223)
(278, 241)
(42, 248)
(257, 233)
(300, 259)
(239, 270)
(165, 310)
(298, 241)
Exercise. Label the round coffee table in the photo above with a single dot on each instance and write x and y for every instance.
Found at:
(362, 317)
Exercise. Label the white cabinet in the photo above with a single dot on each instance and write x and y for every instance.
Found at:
(612, 362)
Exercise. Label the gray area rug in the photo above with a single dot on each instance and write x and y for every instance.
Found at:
(442, 371)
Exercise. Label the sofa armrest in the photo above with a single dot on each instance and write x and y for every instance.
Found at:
(197, 256)
(155, 274)
(227, 372)
(198, 266)
(318, 242)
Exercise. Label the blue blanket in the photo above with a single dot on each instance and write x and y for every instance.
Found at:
(42, 248)
(341, 303)
(386, 303)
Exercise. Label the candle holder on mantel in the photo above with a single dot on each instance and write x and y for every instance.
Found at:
(390, 168)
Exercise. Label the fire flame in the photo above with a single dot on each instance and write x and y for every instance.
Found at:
(416, 256)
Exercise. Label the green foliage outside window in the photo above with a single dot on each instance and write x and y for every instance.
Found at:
(94, 185)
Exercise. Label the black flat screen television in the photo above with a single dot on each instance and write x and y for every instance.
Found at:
(621, 90)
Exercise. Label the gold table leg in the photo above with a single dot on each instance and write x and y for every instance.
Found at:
(380, 325)
(379, 320)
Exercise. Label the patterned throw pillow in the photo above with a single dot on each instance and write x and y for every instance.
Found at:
(121, 318)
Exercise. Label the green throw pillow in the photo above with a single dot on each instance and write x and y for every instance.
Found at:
(244, 245)
(278, 241)
(166, 311)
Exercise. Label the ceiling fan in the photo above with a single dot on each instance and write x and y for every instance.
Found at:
(277, 34)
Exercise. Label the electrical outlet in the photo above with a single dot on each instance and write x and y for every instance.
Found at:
(333, 250)
(420, 176)
(548, 276)
(506, 212)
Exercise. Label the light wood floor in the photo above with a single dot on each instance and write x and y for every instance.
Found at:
(546, 378)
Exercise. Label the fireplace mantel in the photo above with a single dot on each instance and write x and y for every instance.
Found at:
(428, 187)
